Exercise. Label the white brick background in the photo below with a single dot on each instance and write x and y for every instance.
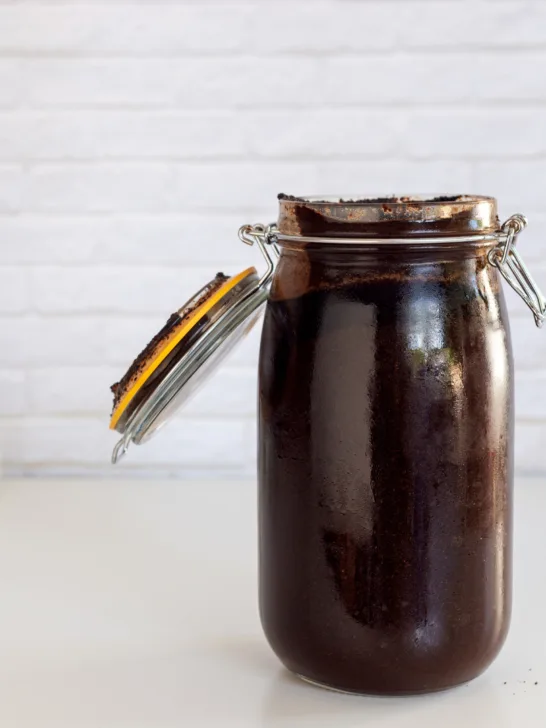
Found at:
(136, 137)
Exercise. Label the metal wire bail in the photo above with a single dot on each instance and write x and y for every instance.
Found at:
(510, 265)
(265, 236)
(503, 256)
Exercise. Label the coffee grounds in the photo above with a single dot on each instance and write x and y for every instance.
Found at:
(385, 469)
(172, 325)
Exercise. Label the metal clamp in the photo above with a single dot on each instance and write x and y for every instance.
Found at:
(510, 265)
(503, 255)
(266, 238)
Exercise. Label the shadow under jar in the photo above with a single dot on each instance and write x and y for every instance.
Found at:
(385, 444)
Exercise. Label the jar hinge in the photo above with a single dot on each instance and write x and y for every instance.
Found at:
(265, 236)
(510, 265)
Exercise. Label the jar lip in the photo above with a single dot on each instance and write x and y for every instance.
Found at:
(414, 215)
(369, 200)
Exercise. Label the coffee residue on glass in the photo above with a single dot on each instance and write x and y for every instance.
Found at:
(172, 325)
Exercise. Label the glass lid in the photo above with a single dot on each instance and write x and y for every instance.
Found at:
(189, 347)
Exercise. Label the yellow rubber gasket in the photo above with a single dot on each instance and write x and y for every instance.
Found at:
(194, 318)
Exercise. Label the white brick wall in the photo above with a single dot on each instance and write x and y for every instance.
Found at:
(135, 137)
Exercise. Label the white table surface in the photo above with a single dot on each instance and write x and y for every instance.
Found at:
(134, 604)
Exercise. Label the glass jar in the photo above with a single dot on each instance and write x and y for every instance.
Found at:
(385, 434)
(385, 456)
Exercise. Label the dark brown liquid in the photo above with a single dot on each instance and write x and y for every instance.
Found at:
(385, 468)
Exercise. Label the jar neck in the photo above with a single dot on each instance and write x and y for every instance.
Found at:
(386, 253)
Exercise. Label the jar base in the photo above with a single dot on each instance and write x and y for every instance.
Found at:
(371, 693)
(324, 686)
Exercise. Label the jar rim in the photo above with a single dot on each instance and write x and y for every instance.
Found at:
(369, 200)
(402, 216)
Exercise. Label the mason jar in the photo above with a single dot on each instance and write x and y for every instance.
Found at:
(385, 446)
